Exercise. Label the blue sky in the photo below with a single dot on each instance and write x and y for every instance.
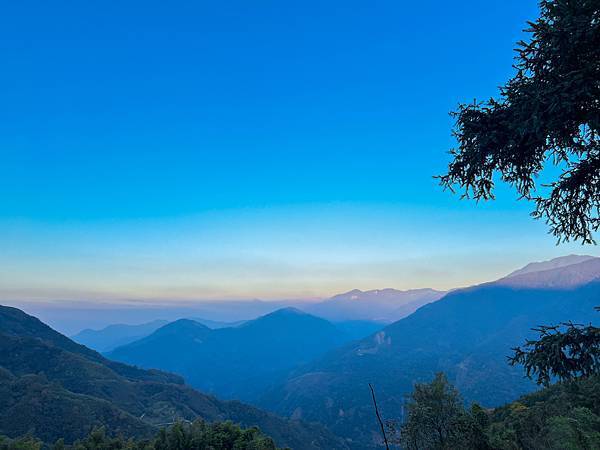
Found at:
(248, 149)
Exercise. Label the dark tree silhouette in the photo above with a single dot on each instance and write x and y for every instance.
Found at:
(565, 352)
(548, 113)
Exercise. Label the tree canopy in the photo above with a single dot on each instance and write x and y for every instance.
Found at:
(548, 113)
(437, 420)
(198, 435)
(561, 416)
(564, 352)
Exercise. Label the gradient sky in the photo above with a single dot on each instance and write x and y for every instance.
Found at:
(248, 149)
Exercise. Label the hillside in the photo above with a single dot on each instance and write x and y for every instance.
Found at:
(31, 404)
(54, 387)
(467, 334)
(239, 362)
(562, 416)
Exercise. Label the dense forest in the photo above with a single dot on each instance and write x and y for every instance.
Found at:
(198, 435)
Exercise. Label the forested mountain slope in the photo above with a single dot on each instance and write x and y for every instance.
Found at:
(468, 334)
(238, 362)
(53, 387)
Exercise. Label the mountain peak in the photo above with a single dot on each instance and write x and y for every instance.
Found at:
(385, 305)
(556, 275)
(289, 312)
(555, 263)
(182, 324)
(288, 320)
(178, 329)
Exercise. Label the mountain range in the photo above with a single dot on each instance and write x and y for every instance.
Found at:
(237, 362)
(357, 312)
(290, 362)
(52, 387)
(556, 263)
(562, 277)
(468, 334)
(383, 305)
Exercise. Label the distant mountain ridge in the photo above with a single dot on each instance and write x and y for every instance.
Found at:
(556, 263)
(580, 271)
(238, 362)
(112, 336)
(384, 305)
(52, 387)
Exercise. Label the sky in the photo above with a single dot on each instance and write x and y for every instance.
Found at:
(237, 150)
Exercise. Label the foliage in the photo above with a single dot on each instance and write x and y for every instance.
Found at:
(199, 435)
(223, 435)
(564, 352)
(563, 416)
(437, 419)
(560, 417)
(22, 443)
(548, 112)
